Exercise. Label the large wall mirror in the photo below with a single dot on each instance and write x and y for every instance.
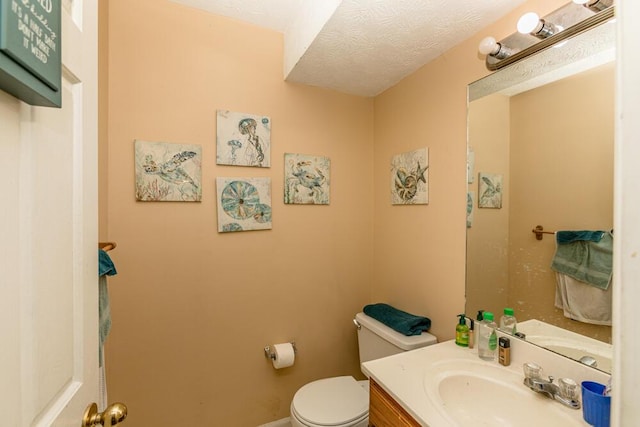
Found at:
(541, 133)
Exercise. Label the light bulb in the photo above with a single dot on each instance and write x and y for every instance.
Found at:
(488, 46)
(528, 23)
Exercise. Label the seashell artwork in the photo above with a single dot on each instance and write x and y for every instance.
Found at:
(244, 204)
(410, 178)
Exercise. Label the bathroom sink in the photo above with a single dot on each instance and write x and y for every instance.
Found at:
(447, 385)
(475, 393)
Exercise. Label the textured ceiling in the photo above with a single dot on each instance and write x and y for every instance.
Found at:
(367, 46)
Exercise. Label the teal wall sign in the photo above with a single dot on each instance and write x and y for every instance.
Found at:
(30, 46)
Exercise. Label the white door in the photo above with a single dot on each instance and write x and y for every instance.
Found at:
(48, 241)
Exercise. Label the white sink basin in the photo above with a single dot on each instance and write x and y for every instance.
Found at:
(474, 393)
(446, 385)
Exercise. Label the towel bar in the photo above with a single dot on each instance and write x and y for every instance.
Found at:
(539, 231)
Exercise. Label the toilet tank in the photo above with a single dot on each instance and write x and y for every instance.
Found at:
(376, 340)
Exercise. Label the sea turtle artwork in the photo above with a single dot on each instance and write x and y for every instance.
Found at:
(243, 139)
(243, 204)
(307, 179)
(409, 178)
(167, 171)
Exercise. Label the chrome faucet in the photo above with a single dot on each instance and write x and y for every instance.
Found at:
(566, 392)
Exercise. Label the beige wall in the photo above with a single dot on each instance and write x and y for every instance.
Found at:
(192, 308)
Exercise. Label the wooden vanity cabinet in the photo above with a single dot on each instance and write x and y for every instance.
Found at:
(384, 411)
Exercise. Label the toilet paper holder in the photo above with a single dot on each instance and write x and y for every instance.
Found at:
(269, 354)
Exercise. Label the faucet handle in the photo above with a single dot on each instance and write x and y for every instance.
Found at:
(532, 370)
(568, 388)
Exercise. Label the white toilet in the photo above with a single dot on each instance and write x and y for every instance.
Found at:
(344, 401)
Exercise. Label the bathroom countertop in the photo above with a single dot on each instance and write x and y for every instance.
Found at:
(403, 375)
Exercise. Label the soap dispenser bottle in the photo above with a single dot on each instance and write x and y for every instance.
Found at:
(462, 331)
(487, 337)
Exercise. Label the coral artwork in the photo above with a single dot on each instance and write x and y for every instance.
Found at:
(306, 179)
(243, 204)
(168, 172)
(243, 139)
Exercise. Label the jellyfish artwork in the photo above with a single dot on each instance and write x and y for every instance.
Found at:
(248, 126)
(235, 146)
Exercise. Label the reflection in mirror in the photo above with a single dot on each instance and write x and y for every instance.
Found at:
(552, 147)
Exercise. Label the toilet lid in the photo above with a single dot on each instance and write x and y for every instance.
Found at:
(331, 401)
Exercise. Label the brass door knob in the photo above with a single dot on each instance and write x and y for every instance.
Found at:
(112, 415)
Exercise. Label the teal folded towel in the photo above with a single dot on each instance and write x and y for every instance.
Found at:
(586, 260)
(571, 236)
(398, 320)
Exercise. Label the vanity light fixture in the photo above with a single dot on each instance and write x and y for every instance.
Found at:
(551, 30)
(595, 5)
(530, 23)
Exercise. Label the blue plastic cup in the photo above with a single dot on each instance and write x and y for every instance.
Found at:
(596, 407)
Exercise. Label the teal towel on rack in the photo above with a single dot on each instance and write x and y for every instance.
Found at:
(398, 320)
(586, 260)
(105, 268)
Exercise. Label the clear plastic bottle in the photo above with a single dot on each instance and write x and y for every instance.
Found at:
(487, 338)
(508, 322)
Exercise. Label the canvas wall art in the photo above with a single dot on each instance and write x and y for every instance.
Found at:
(410, 178)
(489, 190)
(168, 172)
(243, 139)
(244, 204)
(471, 163)
(470, 201)
(307, 179)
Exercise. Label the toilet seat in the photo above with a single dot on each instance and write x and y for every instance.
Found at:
(338, 401)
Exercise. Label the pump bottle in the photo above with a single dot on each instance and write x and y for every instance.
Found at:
(487, 337)
(462, 331)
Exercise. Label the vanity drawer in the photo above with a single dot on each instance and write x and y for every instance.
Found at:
(384, 411)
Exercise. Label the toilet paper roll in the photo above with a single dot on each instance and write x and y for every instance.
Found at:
(284, 355)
